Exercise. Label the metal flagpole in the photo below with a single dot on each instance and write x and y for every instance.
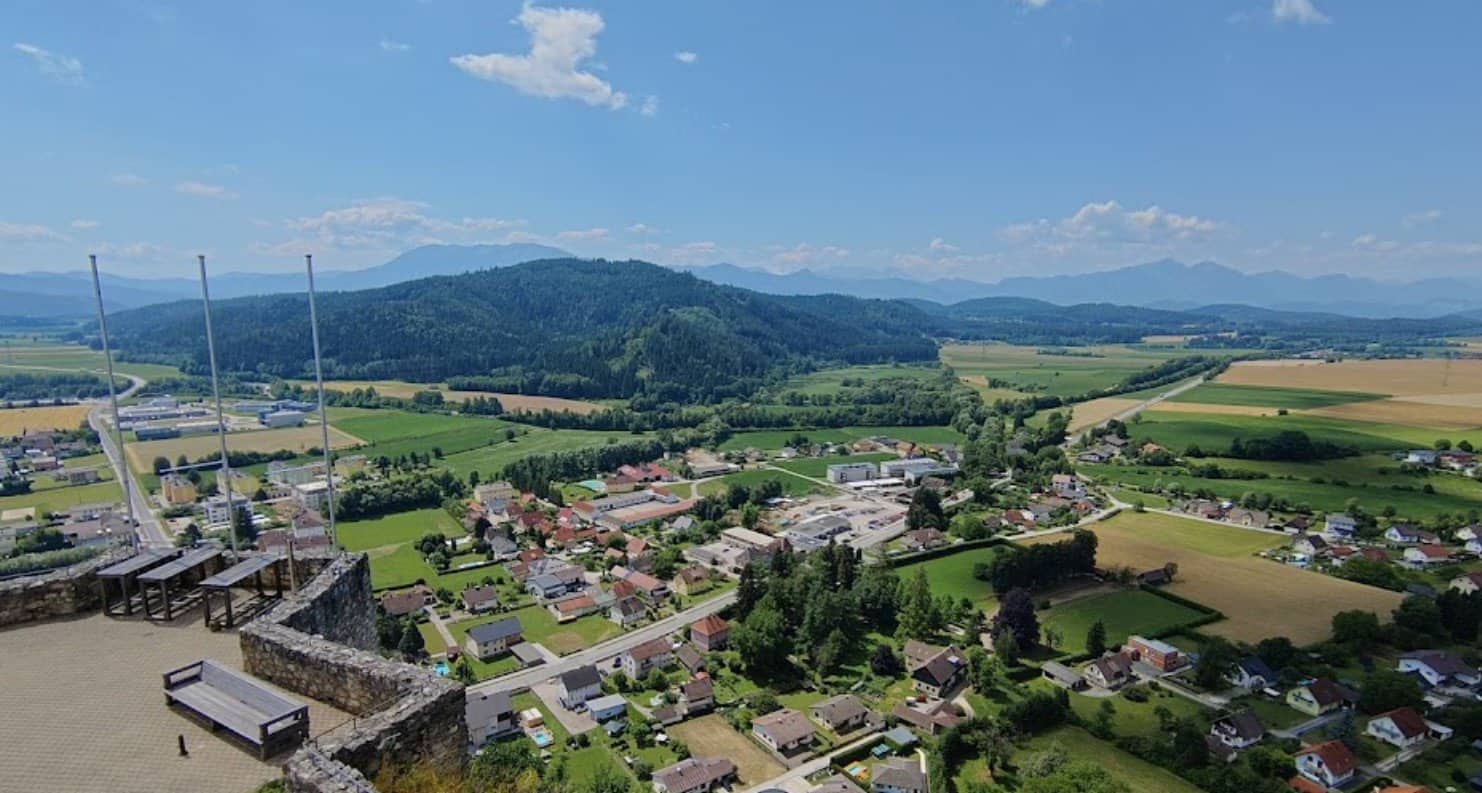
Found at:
(123, 462)
(319, 380)
(225, 479)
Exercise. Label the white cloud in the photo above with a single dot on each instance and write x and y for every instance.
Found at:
(561, 40)
(1303, 12)
(803, 253)
(83, 224)
(384, 224)
(1155, 217)
(1109, 221)
(941, 245)
(685, 56)
(1034, 4)
(582, 234)
(650, 106)
(128, 180)
(28, 233)
(62, 68)
(388, 45)
(1414, 219)
(204, 190)
(136, 251)
(642, 229)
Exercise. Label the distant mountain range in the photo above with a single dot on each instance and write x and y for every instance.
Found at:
(70, 294)
(1167, 284)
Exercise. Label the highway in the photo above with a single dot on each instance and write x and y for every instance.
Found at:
(599, 653)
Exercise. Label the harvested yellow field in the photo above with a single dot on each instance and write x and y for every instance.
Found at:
(1168, 406)
(1166, 339)
(1407, 412)
(18, 421)
(989, 393)
(298, 439)
(1085, 415)
(404, 390)
(712, 736)
(1400, 378)
(1259, 598)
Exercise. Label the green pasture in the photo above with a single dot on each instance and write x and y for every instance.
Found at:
(1268, 396)
(1127, 613)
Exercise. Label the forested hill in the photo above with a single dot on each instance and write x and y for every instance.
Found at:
(563, 327)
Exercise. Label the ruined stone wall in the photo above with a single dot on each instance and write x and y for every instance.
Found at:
(56, 593)
(320, 643)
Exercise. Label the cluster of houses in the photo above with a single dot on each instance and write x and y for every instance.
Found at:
(26, 458)
(1450, 459)
(1103, 450)
(1114, 670)
(1419, 549)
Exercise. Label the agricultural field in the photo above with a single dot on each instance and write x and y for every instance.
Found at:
(1213, 431)
(1085, 415)
(395, 529)
(1435, 393)
(1219, 393)
(776, 439)
(1031, 369)
(1126, 613)
(792, 486)
(817, 467)
(711, 736)
(831, 381)
(77, 358)
(952, 574)
(18, 421)
(1216, 568)
(299, 439)
(393, 433)
(61, 498)
(490, 460)
(511, 402)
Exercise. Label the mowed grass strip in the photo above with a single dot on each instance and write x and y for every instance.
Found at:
(401, 527)
(817, 467)
(61, 498)
(1271, 396)
(1128, 613)
(1259, 598)
(776, 439)
(791, 485)
(491, 459)
(952, 574)
(1213, 432)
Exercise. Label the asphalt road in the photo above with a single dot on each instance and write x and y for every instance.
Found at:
(600, 653)
(149, 529)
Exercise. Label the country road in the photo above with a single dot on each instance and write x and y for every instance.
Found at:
(1187, 385)
(598, 653)
(149, 530)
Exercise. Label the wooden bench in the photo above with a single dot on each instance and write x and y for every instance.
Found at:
(230, 700)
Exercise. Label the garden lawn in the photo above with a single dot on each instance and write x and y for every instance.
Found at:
(400, 527)
(817, 467)
(952, 574)
(539, 626)
(62, 498)
(791, 485)
(1139, 774)
(1132, 612)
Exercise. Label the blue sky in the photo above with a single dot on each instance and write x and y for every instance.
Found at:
(976, 139)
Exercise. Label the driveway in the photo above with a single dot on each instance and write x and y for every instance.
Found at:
(574, 722)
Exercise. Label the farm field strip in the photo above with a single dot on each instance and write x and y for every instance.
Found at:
(17, 421)
(1219, 393)
(394, 529)
(776, 439)
(1253, 594)
(298, 439)
(405, 390)
(1398, 378)
(492, 459)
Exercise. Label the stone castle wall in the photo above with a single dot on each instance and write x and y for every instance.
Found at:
(319, 642)
(56, 593)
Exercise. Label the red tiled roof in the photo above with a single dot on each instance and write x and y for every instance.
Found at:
(1302, 784)
(710, 626)
(1407, 721)
(1336, 757)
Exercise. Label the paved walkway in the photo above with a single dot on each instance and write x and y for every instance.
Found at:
(82, 709)
(575, 723)
(442, 628)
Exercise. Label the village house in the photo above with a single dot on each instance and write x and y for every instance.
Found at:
(710, 633)
(1401, 728)
(690, 658)
(692, 580)
(1422, 556)
(1319, 697)
(573, 607)
(649, 588)
(489, 716)
(1456, 460)
(627, 611)
(480, 599)
(652, 654)
(1252, 674)
(1329, 764)
(1240, 730)
(1067, 486)
(561, 579)
(1062, 675)
(1468, 533)
(407, 601)
(1406, 534)
(1338, 554)
(842, 714)
(1374, 555)
(1253, 518)
(931, 717)
(1311, 545)
(1467, 583)
(923, 539)
(697, 695)
(493, 638)
(940, 674)
(1340, 526)
(1438, 668)
(1109, 672)
(1160, 655)
(576, 687)
(785, 731)
(694, 775)
(899, 775)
